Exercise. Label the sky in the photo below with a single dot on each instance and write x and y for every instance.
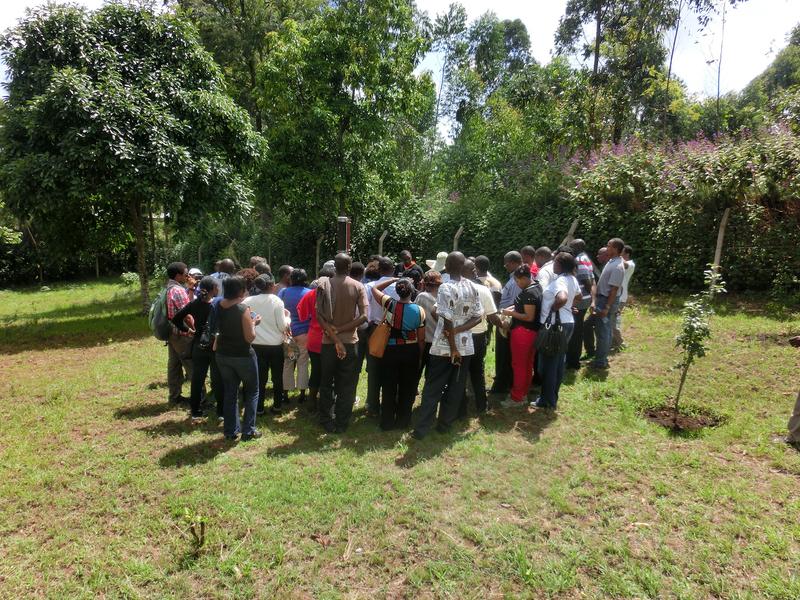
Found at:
(754, 32)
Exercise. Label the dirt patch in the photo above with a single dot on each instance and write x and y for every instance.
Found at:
(666, 417)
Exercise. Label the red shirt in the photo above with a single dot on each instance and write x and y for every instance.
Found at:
(307, 309)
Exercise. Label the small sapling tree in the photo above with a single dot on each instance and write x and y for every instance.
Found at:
(695, 332)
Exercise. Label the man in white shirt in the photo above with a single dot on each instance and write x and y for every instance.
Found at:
(617, 342)
(477, 374)
(458, 308)
(374, 318)
(544, 260)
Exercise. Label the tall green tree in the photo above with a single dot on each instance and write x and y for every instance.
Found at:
(235, 32)
(111, 110)
(336, 90)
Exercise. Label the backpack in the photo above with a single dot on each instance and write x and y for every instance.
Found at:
(157, 319)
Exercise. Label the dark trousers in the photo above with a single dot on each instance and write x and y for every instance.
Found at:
(363, 338)
(316, 370)
(203, 361)
(179, 361)
(445, 383)
(270, 359)
(576, 341)
(337, 389)
(477, 375)
(588, 334)
(553, 374)
(502, 365)
(399, 369)
(237, 370)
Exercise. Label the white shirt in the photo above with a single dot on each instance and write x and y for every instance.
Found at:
(630, 266)
(488, 306)
(270, 331)
(545, 275)
(375, 310)
(458, 302)
(562, 283)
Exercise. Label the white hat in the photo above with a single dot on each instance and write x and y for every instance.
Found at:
(438, 264)
(195, 272)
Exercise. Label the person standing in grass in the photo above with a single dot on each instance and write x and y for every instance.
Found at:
(524, 325)
(268, 344)
(236, 359)
(606, 302)
(427, 300)
(617, 342)
(794, 421)
(400, 363)
(584, 273)
(557, 299)
(306, 309)
(458, 307)
(589, 331)
(477, 370)
(503, 376)
(296, 358)
(193, 319)
(341, 308)
(375, 317)
(179, 344)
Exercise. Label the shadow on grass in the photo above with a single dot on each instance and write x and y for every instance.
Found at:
(77, 333)
(195, 454)
(362, 436)
(142, 411)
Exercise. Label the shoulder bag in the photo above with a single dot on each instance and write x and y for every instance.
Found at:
(552, 339)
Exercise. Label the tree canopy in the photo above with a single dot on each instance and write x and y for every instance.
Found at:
(113, 111)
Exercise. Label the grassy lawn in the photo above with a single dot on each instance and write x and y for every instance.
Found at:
(96, 471)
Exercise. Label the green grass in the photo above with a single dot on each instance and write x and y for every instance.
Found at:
(96, 471)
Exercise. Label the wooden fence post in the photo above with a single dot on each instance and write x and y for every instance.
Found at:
(456, 237)
(380, 241)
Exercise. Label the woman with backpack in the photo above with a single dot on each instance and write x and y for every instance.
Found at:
(194, 319)
(399, 367)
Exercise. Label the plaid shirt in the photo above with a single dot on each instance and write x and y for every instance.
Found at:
(177, 298)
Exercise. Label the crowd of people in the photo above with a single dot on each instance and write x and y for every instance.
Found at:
(412, 326)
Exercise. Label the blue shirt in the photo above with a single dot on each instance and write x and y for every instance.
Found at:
(291, 297)
(510, 292)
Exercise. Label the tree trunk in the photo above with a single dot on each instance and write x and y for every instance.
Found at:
(678, 395)
(672, 51)
(597, 38)
(719, 66)
(141, 262)
(152, 232)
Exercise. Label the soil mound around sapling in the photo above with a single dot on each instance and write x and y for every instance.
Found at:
(666, 417)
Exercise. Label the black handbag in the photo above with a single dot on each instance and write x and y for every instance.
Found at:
(206, 341)
(553, 338)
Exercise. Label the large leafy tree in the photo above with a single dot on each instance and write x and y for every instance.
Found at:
(235, 32)
(114, 110)
(337, 91)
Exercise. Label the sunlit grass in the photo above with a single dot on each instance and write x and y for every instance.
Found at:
(96, 471)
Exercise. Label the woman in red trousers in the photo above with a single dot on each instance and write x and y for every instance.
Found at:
(524, 325)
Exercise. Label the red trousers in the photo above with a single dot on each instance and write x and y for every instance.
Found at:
(523, 350)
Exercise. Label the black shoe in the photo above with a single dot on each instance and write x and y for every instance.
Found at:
(232, 438)
(252, 436)
(329, 427)
(442, 428)
(260, 413)
(416, 435)
(302, 397)
(180, 400)
(276, 410)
